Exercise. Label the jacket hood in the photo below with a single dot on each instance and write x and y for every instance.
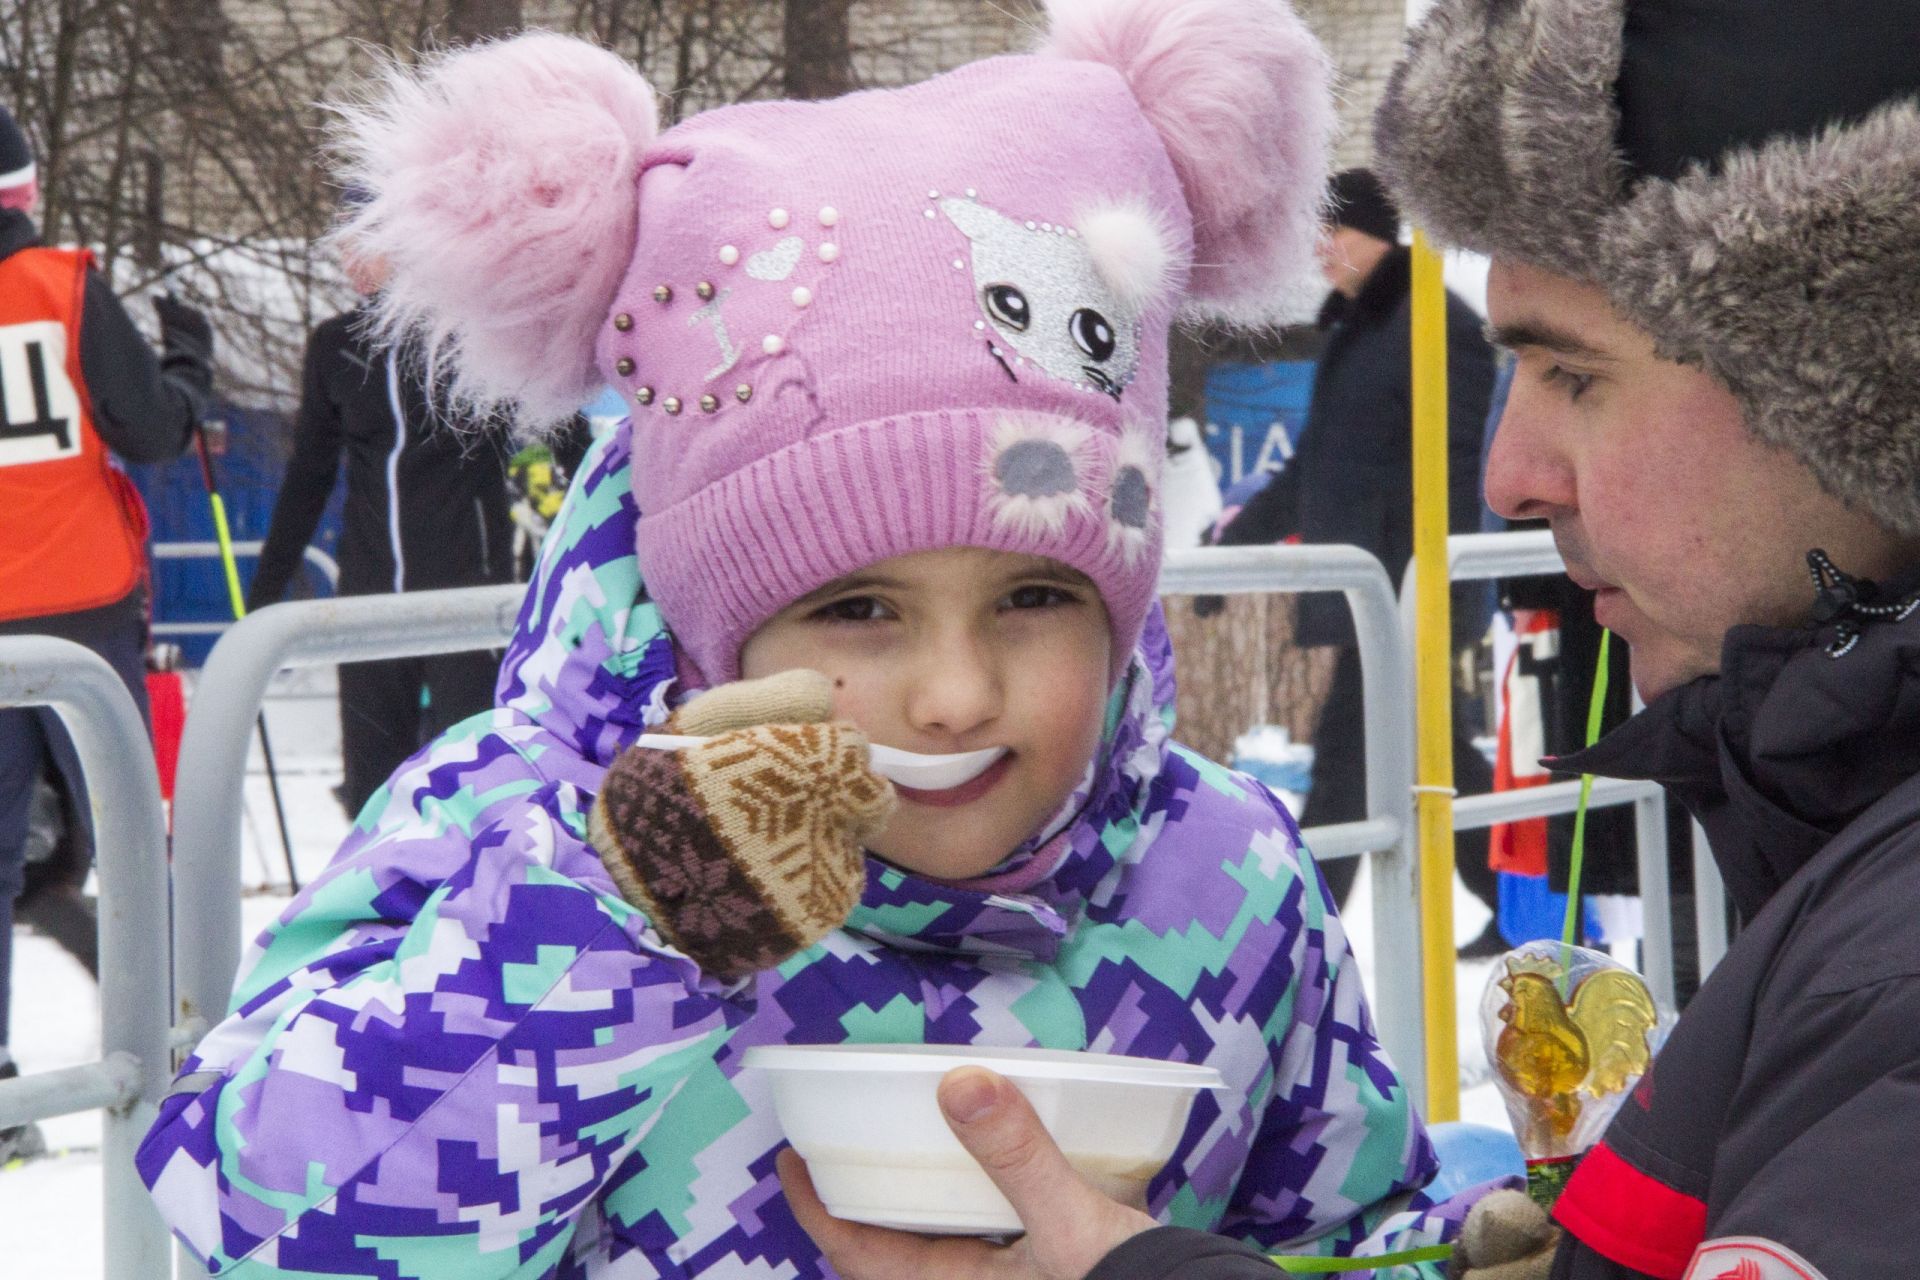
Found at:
(1801, 732)
(592, 663)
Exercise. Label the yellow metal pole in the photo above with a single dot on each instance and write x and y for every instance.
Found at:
(1433, 682)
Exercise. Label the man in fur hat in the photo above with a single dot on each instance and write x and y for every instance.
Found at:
(1704, 220)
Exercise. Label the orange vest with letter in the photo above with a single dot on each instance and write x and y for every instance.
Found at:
(72, 528)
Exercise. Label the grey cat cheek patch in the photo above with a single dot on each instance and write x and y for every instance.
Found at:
(1132, 499)
(1037, 474)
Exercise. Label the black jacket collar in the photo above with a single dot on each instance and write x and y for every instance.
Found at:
(17, 232)
(1385, 289)
(1783, 748)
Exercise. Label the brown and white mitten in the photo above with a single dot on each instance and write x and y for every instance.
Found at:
(746, 848)
(1506, 1237)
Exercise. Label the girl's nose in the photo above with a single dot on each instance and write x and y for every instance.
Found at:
(958, 688)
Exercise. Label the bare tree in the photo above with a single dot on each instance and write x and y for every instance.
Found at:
(482, 19)
(819, 49)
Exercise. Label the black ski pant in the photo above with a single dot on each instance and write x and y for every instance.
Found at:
(33, 741)
(390, 709)
(1339, 792)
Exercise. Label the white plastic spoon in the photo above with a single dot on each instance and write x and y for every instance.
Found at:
(908, 768)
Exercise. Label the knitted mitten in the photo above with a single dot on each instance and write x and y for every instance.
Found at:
(746, 848)
(1506, 1237)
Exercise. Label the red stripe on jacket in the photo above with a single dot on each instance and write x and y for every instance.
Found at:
(1631, 1217)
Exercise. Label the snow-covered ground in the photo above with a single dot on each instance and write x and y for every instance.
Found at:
(50, 1214)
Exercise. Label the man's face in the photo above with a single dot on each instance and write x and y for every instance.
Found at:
(366, 272)
(1657, 495)
(1348, 257)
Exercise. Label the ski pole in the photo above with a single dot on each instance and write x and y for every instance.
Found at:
(239, 603)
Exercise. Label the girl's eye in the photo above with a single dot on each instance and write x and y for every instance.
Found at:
(1574, 384)
(853, 609)
(1038, 597)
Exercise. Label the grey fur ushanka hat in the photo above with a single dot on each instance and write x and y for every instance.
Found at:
(1742, 177)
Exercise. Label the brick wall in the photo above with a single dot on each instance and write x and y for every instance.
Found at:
(901, 41)
(1363, 37)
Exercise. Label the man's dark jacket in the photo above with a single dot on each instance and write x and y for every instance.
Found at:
(1351, 480)
(426, 503)
(1786, 1104)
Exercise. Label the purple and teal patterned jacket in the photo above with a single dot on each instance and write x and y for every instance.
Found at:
(460, 1054)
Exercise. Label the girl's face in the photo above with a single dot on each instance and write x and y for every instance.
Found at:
(957, 650)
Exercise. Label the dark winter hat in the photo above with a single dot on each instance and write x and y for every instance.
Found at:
(1357, 198)
(16, 153)
(1741, 176)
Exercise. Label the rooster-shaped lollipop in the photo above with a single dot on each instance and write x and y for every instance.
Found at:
(1575, 1031)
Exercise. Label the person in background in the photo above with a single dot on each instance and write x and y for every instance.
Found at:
(426, 508)
(77, 384)
(1351, 481)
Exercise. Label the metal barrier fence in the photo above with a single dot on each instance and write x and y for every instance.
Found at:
(329, 569)
(1477, 557)
(1386, 681)
(130, 838)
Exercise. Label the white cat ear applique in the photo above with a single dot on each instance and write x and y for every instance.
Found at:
(1049, 301)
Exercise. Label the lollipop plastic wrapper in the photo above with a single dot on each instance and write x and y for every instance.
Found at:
(1569, 1032)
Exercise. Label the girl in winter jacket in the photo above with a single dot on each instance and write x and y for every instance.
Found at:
(897, 365)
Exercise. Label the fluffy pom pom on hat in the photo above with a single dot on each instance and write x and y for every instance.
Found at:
(850, 330)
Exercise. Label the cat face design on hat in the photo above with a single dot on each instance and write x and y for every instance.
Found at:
(1042, 293)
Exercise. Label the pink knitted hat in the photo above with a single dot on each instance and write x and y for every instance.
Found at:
(850, 330)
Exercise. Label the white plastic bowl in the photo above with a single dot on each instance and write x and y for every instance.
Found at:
(867, 1122)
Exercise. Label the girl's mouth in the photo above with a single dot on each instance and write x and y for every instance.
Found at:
(965, 793)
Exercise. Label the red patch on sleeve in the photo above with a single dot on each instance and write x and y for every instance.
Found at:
(1631, 1217)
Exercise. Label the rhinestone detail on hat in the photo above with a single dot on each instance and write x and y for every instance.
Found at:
(776, 263)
